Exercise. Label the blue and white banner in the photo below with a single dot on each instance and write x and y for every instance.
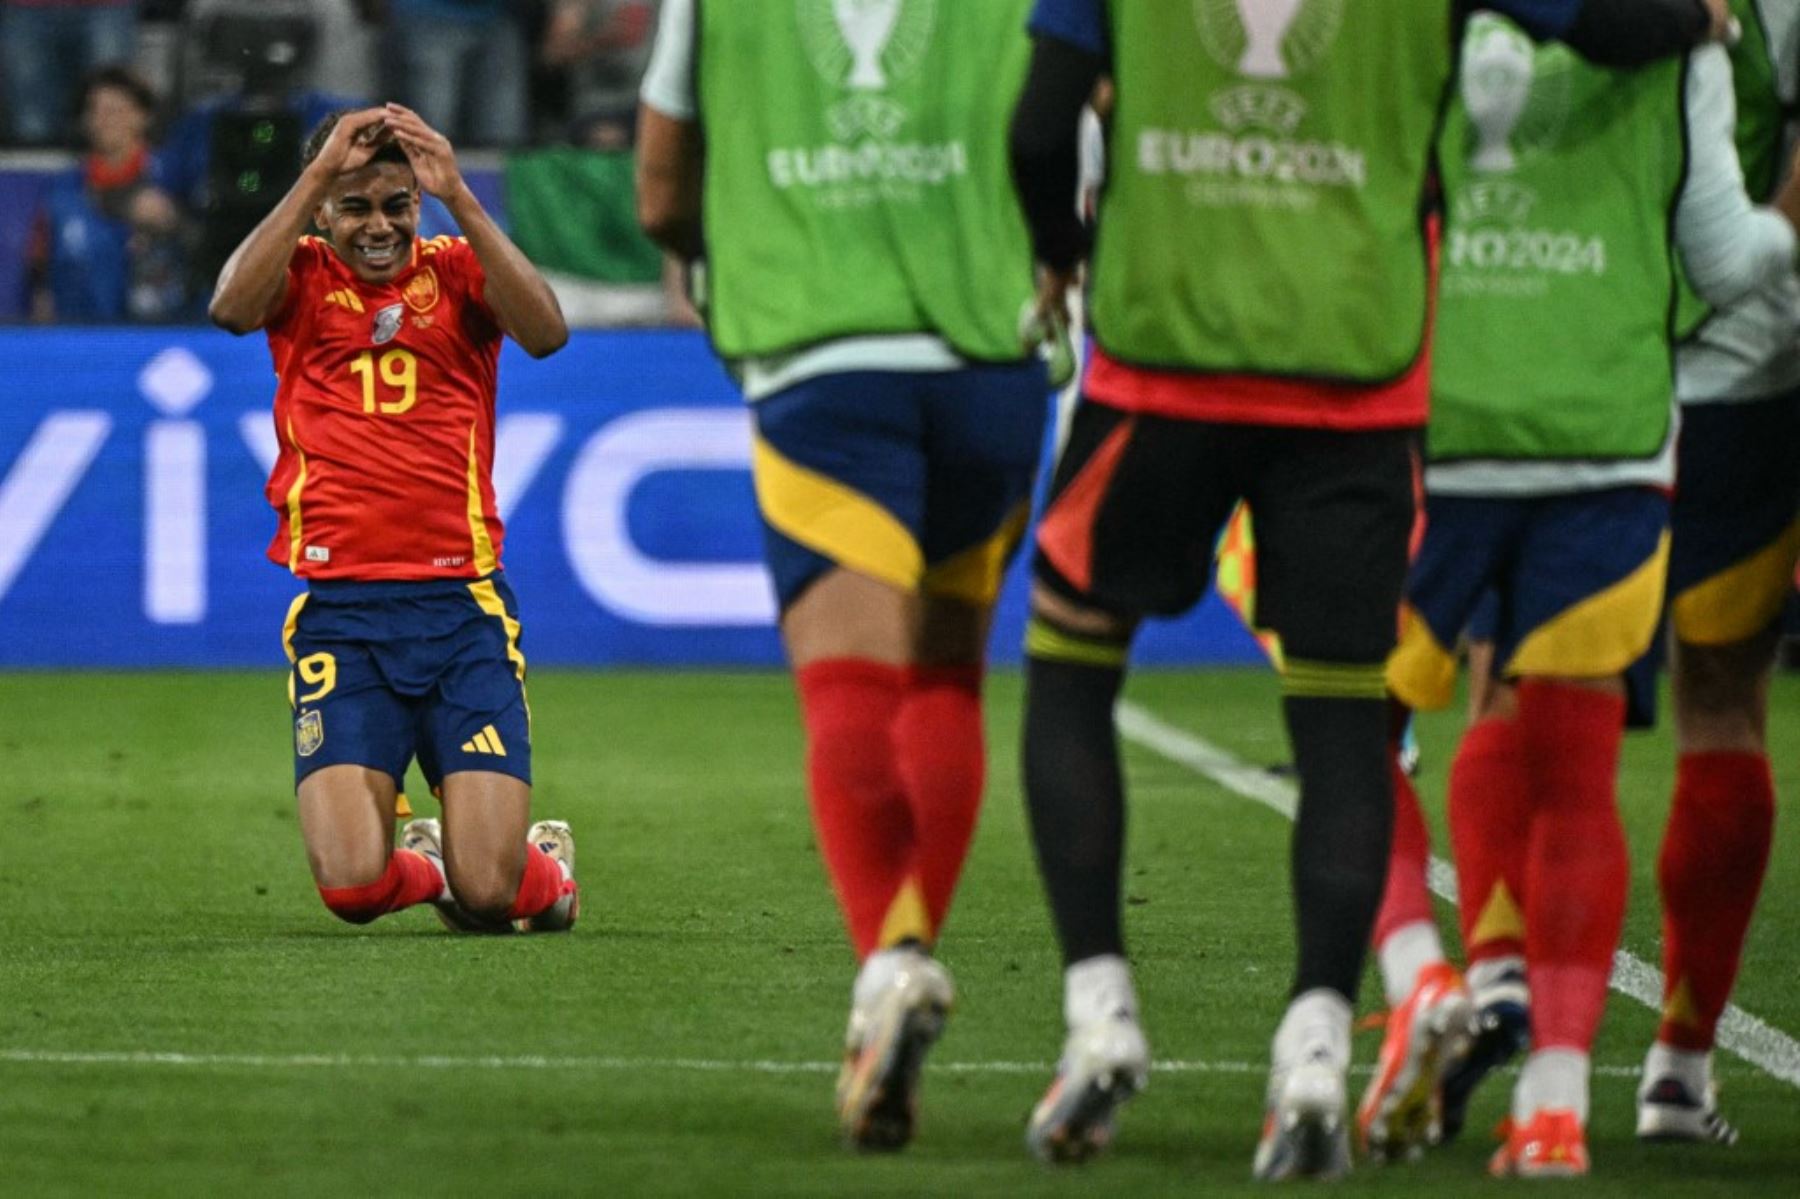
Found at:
(132, 523)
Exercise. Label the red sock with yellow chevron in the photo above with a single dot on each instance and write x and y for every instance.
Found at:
(1577, 869)
(410, 878)
(942, 756)
(542, 884)
(1711, 869)
(859, 806)
(1490, 822)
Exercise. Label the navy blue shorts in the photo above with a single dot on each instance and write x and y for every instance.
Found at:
(920, 479)
(386, 672)
(1736, 519)
(1567, 585)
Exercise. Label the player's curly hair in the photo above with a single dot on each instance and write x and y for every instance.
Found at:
(315, 142)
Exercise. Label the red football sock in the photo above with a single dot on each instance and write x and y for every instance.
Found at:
(542, 885)
(1490, 825)
(410, 878)
(859, 807)
(1407, 899)
(1578, 870)
(942, 753)
(1711, 869)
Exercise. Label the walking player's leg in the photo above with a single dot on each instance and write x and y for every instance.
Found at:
(1130, 528)
(840, 479)
(1584, 606)
(1731, 569)
(940, 744)
(1335, 513)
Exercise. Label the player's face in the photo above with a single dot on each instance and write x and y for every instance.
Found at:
(370, 218)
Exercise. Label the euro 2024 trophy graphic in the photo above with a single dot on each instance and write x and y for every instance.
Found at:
(1266, 25)
(1498, 71)
(867, 25)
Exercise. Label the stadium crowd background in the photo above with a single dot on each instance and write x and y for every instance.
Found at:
(141, 139)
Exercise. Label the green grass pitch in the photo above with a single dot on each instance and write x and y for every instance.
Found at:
(155, 900)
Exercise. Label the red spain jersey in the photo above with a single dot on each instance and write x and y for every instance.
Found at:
(385, 415)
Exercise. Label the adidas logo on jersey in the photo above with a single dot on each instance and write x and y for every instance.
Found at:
(345, 298)
(487, 741)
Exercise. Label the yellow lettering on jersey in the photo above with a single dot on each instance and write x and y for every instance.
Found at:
(399, 369)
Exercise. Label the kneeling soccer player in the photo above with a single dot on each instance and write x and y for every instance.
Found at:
(407, 641)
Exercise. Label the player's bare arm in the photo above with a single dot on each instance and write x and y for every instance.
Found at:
(253, 283)
(671, 156)
(520, 298)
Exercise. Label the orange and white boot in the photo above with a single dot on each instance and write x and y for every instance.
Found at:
(1550, 1144)
(1401, 1111)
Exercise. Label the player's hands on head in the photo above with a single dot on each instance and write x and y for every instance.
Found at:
(433, 161)
(353, 141)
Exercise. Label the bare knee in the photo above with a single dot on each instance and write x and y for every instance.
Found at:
(1078, 618)
(952, 632)
(846, 614)
(1721, 695)
(484, 889)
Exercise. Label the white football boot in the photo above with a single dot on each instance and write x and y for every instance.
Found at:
(426, 836)
(903, 998)
(557, 840)
(1677, 1099)
(1305, 1133)
(1103, 1064)
(1105, 1061)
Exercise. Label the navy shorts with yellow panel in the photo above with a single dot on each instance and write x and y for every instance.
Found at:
(921, 479)
(1736, 519)
(1575, 582)
(385, 672)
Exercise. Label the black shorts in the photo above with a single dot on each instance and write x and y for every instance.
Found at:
(1138, 503)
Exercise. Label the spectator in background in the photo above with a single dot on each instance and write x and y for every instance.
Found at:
(109, 243)
(49, 46)
(604, 45)
(462, 67)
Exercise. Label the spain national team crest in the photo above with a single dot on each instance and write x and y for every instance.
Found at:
(309, 733)
(387, 323)
(421, 293)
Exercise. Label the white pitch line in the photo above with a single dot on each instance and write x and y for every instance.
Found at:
(1755, 1040)
(527, 1062)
